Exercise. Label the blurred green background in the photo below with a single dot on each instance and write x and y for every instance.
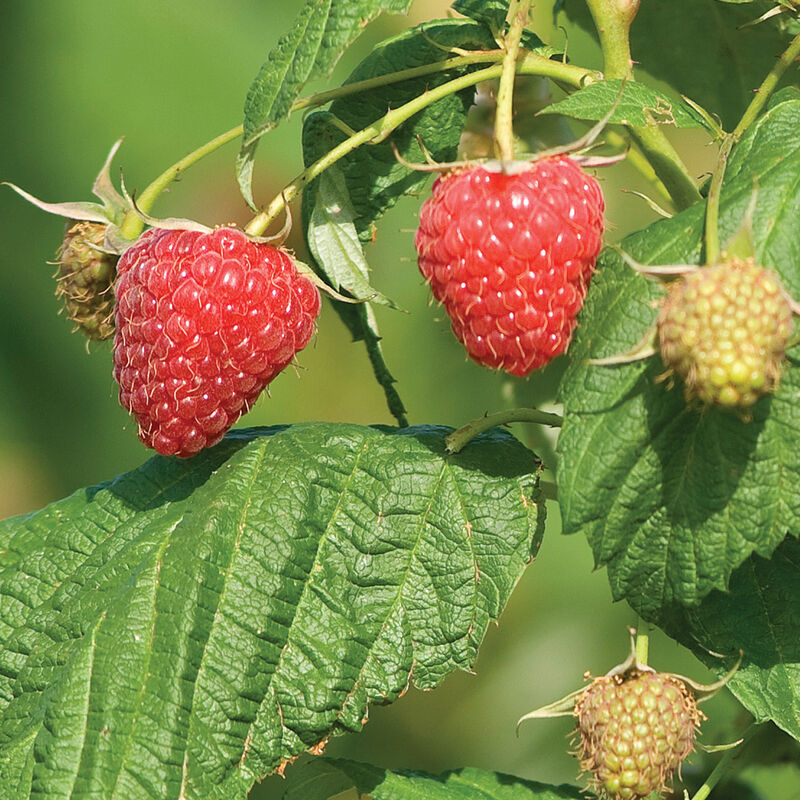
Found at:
(168, 76)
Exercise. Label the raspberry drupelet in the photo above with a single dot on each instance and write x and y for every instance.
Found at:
(204, 321)
(510, 255)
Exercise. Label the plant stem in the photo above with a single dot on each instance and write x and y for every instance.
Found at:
(642, 645)
(767, 87)
(712, 203)
(320, 99)
(459, 439)
(613, 19)
(748, 118)
(504, 115)
(379, 130)
(722, 766)
(132, 225)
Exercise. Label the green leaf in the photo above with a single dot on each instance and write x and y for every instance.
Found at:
(671, 498)
(339, 258)
(467, 783)
(191, 626)
(333, 239)
(490, 12)
(760, 615)
(323, 30)
(782, 95)
(702, 52)
(637, 105)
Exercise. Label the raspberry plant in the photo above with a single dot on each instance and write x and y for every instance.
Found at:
(220, 613)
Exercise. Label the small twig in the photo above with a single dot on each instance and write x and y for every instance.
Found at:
(459, 439)
(503, 121)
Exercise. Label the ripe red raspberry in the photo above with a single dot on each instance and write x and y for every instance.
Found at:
(510, 255)
(204, 321)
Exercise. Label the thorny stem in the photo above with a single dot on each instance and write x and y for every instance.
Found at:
(613, 19)
(722, 766)
(459, 439)
(132, 225)
(531, 64)
(503, 121)
(748, 118)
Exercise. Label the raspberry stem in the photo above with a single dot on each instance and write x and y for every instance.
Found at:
(613, 19)
(132, 225)
(460, 438)
(748, 118)
(531, 64)
(642, 646)
(518, 13)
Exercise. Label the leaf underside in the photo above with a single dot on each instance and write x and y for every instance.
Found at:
(339, 258)
(193, 625)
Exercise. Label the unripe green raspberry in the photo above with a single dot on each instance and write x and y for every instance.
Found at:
(724, 329)
(86, 279)
(635, 731)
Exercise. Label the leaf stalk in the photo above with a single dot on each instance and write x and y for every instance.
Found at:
(460, 438)
(518, 13)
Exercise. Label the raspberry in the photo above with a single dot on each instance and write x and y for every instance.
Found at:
(724, 329)
(510, 256)
(86, 279)
(635, 731)
(204, 322)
